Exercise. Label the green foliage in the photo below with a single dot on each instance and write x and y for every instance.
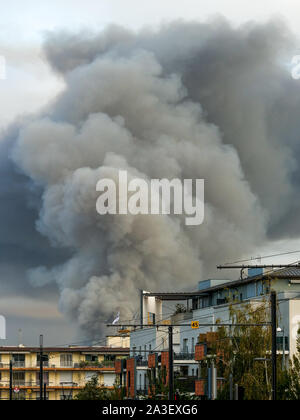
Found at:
(157, 385)
(179, 309)
(292, 388)
(92, 391)
(244, 351)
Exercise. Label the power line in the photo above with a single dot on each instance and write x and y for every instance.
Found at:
(265, 256)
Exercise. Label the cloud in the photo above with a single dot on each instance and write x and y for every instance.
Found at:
(189, 101)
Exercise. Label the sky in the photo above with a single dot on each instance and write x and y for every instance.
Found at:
(30, 84)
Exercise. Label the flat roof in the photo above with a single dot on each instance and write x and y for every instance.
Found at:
(288, 273)
(89, 349)
(174, 295)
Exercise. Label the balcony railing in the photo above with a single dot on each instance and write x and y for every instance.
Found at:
(19, 364)
(70, 365)
(184, 356)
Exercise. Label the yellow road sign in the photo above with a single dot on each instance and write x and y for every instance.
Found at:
(195, 324)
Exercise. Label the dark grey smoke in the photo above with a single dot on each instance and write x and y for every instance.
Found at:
(190, 101)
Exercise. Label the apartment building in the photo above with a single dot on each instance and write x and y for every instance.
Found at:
(66, 370)
(208, 304)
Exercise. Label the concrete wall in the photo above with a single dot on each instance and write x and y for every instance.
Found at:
(152, 305)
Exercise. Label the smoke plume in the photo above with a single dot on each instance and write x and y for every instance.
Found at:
(189, 100)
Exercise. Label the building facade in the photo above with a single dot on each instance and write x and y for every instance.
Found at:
(65, 370)
(210, 303)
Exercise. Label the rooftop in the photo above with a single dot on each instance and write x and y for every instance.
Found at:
(89, 349)
(289, 273)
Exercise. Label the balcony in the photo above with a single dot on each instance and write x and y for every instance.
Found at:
(184, 356)
(64, 365)
(19, 364)
(141, 362)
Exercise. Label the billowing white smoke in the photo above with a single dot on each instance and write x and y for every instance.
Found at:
(131, 102)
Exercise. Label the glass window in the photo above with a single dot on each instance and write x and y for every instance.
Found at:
(45, 359)
(185, 345)
(66, 360)
(112, 357)
(45, 378)
(18, 360)
(18, 378)
(259, 288)
(91, 358)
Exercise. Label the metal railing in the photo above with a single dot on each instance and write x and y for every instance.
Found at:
(76, 365)
(184, 356)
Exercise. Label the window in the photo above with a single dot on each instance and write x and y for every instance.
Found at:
(66, 378)
(45, 359)
(91, 358)
(45, 378)
(112, 357)
(251, 290)
(66, 360)
(185, 345)
(18, 360)
(149, 347)
(259, 288)
(193, 344)
(18, 378)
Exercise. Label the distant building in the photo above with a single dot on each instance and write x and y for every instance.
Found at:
(66, 370)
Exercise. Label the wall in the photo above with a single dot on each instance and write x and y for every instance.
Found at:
(153, 305)
(294, 316)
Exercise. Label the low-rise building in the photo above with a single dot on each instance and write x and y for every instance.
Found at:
(66, 370)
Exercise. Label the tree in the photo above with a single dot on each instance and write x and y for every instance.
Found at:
(244, 351)
(179, 309)
(292, 390)
(92, 391)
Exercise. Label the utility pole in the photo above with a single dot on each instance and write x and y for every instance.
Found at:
(231, 387)
(171, 367)
(41, 367)
(45, 391)
(10, 379)
(141, 307)
(274, 346)
(236, 392)
(213, 381)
